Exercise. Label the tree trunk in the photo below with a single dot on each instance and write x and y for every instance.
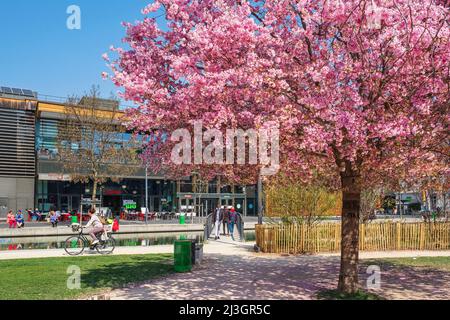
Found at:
(351, 189)
(94, 193)
(429, 200)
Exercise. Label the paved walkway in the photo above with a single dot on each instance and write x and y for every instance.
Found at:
(235, 272)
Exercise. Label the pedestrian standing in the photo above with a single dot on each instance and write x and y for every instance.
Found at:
(232, 222)
(217, 219)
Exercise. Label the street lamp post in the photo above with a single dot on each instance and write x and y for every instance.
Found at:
(260, 202)
(244, 211)
(101, 196)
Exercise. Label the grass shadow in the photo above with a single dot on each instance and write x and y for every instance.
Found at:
(336, 295)
(136, 269)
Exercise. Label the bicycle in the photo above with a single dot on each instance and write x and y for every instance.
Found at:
(75, 245)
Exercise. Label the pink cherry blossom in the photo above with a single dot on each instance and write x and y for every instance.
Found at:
(356, 93)
(153, 7)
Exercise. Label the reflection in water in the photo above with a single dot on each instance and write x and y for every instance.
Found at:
(129, 240)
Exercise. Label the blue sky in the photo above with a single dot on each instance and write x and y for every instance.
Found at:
(38, 51)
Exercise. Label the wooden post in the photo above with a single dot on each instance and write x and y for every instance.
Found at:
(362, 237)
(264, 247)
(422, 236)
(302, 241)
(399, 230)
(336, 237)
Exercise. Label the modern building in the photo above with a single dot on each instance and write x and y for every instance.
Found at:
(17, 149)
(31, 176)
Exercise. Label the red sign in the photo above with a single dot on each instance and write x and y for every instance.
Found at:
(112, 192)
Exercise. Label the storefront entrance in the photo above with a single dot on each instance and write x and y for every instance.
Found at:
(112, 202)
(227, 202)
(204, 204)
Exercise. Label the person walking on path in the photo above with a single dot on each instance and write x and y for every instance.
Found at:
(217, 219)
(11, 220)
(20, 220)
(232, 222)
(226, 220)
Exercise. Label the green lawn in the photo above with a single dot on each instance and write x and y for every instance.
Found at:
(335, 295)
(441, 263)
(37, 279)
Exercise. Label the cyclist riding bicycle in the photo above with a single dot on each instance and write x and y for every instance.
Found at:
(96, 226)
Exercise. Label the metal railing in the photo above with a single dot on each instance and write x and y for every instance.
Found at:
(240, 226)
(64, 100)
(209, 226)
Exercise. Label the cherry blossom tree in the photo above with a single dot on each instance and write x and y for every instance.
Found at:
(358, 88)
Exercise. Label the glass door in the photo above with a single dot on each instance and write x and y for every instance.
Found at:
(64, 205)
(75, 203)
(240, 206)
(226, 202)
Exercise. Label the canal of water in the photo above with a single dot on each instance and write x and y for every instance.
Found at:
(122, 240)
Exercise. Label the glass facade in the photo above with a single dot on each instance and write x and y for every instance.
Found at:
(53, 192)
(47, 134)
(46, 139)
(66, 196)
(29, 151)
(58, 195)
(162, 197)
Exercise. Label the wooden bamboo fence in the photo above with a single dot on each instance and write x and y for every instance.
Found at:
(326, 237)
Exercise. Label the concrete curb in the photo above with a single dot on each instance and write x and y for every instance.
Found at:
(67, 231)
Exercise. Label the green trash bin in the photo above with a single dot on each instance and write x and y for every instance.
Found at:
(182, 218)
(183, 256)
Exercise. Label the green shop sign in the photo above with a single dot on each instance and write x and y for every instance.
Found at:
(129, 204)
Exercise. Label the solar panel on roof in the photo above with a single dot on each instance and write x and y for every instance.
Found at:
(17, 91)
(6, 90)
(27, 93)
